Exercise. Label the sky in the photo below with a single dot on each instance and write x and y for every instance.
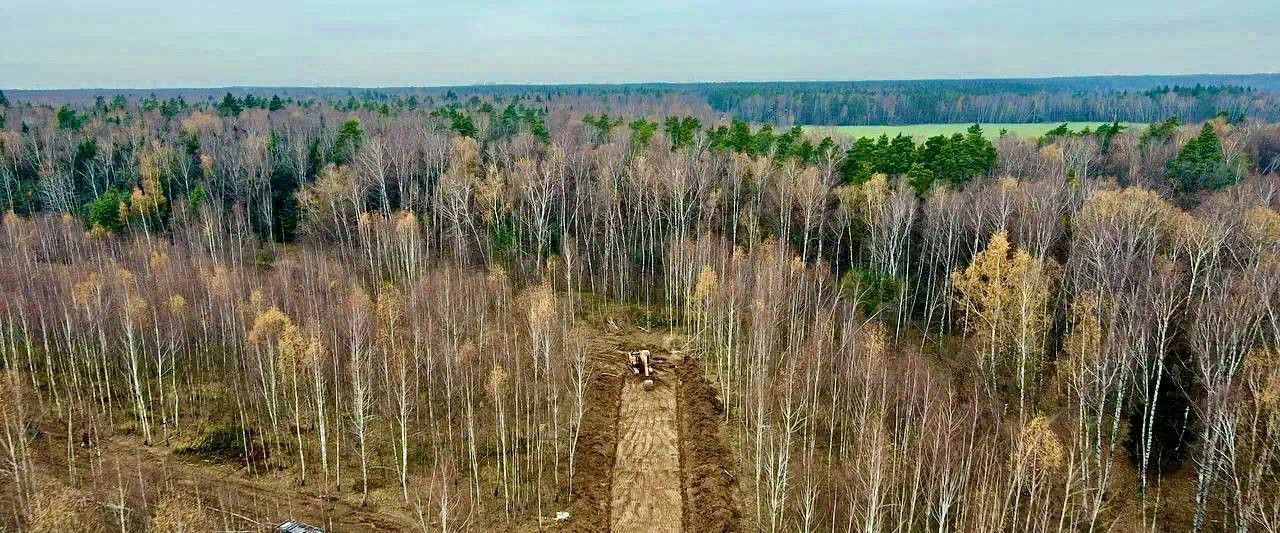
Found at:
(48, 44)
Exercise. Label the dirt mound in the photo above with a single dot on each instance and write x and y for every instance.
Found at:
(709, 484)
(597, 446)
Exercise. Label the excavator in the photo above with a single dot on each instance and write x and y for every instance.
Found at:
(641, 364)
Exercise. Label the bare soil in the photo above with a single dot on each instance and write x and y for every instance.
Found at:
(607, 331)
(646, 475)
(710, 485)
(652, 460)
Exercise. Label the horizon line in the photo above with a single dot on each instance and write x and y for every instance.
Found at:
(643, 83)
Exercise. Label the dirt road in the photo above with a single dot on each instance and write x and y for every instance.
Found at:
(647, 495)
(652, 460)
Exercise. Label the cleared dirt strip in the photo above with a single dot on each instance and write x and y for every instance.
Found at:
(646, 474)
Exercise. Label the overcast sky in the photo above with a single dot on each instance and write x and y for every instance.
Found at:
(183, 43)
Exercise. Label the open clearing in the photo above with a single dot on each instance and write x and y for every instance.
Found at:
(646, 474)
(651, 460)
(921, 132)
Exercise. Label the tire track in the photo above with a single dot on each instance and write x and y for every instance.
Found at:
(646, 492)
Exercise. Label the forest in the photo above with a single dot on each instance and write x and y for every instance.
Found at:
(381, 311)
(1019, 101)
(1144, 99)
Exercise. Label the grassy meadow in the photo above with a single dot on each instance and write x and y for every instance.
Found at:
(923, 131)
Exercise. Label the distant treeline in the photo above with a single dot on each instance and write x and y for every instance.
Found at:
(1100, 98)
(996, 101)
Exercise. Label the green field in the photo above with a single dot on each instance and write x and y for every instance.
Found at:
(923, 131)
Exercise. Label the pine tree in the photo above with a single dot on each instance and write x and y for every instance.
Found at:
(348, 141)
(601, 127)
(981, 153)
(67, 119)
(920, 178)
(681, 130)
(229, 107)
(464, 125)
(859, 161)
(1199, 163)
(641, 133)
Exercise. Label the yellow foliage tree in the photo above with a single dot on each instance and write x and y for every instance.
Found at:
(1040, 453)
(148, 197)
(1003, 296)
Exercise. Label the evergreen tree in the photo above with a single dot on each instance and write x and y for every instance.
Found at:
(229, 107)
(1160, 131)
(1060, 131)
(275, 104)
(148, 104)
(920, 178)
(601, 127)
(803, 152)
(4, 100)
(348, 141)
(464, 125)
(507, 124)
(762, 141)
(1199, 164)
(67, 119)
(641, 133)
(85, 153)
(785, 145)
(897, 155)
(981, 152)
(171, 108)
(739, 138)
(681, 130)
(958, 158)
(1107, 132)
(109, 211)
(537, 125)
(860, 161)
(826, 149)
